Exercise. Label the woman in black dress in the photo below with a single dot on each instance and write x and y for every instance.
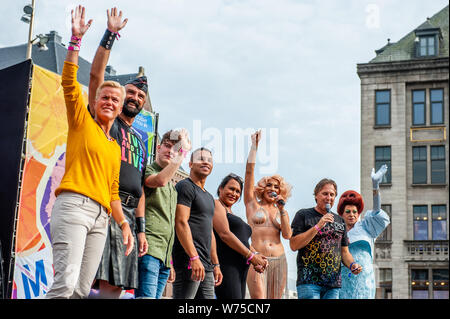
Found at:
(232, 236)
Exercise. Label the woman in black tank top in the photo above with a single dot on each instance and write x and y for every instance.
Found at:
(232, 240)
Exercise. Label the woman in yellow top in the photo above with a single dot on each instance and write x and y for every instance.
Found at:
(89, 190)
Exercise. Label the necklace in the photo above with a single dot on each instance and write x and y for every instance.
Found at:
(124, 122)
(107, 136)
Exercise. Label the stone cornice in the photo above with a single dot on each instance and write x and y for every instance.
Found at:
(402, 66)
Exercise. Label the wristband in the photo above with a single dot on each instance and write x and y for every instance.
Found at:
(251, 257)
(140, 224)
(216, 265)
(350, 267)
(108, 39)
(183, 152)
(192, 259)
(123, 222)
(74, 43)
(318, 229)
(75, 39)
(73, 48)
(115, 33)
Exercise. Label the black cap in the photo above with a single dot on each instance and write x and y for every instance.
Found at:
(140, 83)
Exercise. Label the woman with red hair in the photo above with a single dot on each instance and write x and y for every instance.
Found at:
(362, 233)
(268, 219)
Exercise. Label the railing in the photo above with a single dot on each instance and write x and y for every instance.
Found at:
(427, 249)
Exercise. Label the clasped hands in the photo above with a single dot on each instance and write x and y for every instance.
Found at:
(259, 263)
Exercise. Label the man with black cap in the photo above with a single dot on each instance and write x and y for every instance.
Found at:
(118, 272)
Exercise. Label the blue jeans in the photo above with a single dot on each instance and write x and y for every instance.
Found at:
(153, 275)
(317, 292)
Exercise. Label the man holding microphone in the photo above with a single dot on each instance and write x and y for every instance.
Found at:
(322, 243)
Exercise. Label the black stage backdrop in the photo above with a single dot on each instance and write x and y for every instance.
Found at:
(14, 91)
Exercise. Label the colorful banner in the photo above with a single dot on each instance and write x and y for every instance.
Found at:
(42, 173)
(144, 123)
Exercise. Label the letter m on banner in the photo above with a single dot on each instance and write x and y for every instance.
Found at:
(34, 282)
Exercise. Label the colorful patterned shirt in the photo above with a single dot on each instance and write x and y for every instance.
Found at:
(319, 262)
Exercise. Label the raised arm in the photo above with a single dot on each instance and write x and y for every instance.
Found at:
(97, 75)
(376, 180)
(181, 148)
(375, 221)
(249, 183)
(75, 105)
(79, 28)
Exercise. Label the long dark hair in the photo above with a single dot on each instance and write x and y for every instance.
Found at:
(229, 177)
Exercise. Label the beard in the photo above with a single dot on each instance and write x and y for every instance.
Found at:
(130, 111)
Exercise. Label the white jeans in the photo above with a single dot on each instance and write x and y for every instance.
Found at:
(78, 229)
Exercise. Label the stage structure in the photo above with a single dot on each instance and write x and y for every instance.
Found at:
(34, 135)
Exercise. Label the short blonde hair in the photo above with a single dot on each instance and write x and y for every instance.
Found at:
(112, 84)
(285, 188)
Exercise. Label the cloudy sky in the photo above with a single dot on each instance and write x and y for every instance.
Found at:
(224, 68)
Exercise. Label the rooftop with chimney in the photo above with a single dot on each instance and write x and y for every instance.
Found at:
(428, 40)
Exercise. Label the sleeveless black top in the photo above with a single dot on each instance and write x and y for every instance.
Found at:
(226, 254)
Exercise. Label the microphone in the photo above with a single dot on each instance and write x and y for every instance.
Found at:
(281, 202)
(328, 208)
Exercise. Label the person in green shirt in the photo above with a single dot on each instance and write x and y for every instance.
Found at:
(160, 203)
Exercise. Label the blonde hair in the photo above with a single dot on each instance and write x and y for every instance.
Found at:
(285, 188)
(111, 84)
